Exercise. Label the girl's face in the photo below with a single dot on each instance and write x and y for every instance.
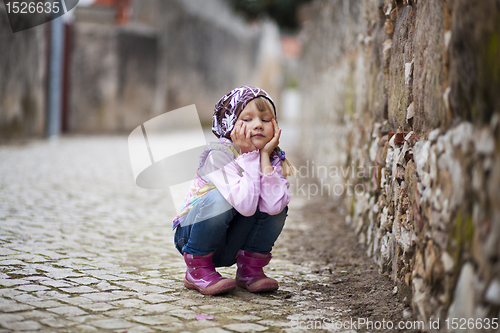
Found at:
(258, 123)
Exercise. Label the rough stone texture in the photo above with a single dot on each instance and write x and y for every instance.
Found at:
(430, 65)
(377, 78)
(407, 118)
(475, 59)
(22, 68)
(401, 62)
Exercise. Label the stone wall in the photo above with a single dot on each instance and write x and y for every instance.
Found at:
(113, 77)
(403, 116)
(115, 71)
(171, 54)
(22, 74)
(208, 52)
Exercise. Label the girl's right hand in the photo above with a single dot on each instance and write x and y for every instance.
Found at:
(242, 139)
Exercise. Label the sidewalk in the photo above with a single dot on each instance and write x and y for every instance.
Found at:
(83, 249)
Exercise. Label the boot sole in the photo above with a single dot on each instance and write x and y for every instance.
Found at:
(264, 285)
(216, 289)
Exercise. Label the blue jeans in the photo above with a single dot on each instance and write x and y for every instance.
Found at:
(227, 232)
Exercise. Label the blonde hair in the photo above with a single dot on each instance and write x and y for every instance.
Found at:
(263, 104)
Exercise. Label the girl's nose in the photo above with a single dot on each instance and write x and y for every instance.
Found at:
(257, 124)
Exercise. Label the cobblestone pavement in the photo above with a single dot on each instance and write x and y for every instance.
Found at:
(83, 249)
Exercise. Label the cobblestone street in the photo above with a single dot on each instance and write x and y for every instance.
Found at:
(83, 249)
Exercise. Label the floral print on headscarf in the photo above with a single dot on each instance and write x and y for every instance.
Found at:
(230, 106)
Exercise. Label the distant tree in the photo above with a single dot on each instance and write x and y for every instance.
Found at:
(284, 12)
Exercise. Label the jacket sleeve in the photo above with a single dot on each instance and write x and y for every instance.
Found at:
(274, 195)
(238, 180)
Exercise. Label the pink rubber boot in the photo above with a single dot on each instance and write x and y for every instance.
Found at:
(250, 274)
(202, 276)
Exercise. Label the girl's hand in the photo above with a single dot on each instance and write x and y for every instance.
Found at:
(242, 139)
(273, 143)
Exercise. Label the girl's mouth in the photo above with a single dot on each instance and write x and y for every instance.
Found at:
(258, 135)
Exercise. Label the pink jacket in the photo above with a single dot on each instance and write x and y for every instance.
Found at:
(239, 180)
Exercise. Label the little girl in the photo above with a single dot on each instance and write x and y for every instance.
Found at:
(237, 204)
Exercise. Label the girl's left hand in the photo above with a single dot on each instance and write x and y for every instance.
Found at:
(273, 143)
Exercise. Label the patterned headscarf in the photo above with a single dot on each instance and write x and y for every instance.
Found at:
(230, 106)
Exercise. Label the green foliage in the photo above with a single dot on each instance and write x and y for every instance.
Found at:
(284, 12)
(492, 56)
(461, 237)
(349, 99)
